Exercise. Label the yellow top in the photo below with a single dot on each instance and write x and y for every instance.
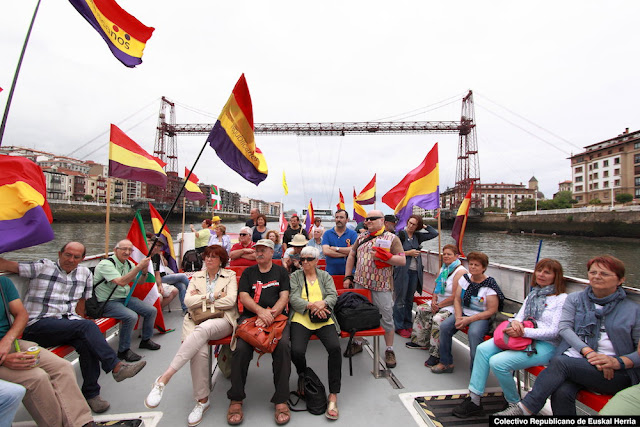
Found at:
(315, 294)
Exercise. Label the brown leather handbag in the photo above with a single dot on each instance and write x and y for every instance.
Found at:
(203, 312)
(263, 339)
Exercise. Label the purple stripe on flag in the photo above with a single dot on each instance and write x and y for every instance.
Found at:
(370, 201)
(231, 156)
(425, 201)
(31, 229)
(118, 170)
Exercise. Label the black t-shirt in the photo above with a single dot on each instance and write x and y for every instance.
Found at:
(273, 282)
(290, 232)
(249, 223)
(155, 259)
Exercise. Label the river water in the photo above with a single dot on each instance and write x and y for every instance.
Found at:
(513, 249)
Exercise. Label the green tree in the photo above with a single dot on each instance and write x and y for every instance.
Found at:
(526, 205)
(595, 202)
(563, 200)
(624, 198)
(493, 209)
(88, 198)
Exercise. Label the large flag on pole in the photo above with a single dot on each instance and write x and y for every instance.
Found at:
(421, 187)
(340, 204)
(215, 198)
(233, 139)
(284, 184)
(460, 224)
(309, 219)
(168, 249)
(25, 217)
(128, 160)
(359, 213)
(123, 33)
(145, 288)
(368, 194)
(283, 222)
(191, 189)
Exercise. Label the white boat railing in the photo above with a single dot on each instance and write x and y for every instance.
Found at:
(584, 209)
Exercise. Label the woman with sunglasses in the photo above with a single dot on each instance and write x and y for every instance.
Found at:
(243, 252)
(314, 293)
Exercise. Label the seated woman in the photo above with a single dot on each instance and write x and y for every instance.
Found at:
(260, 229)
(217, 286)
(313, 291)
(169, 285)
(53, 397)
(291, 258)
(477, 299)
(274, 236)
(426, 325)
(202, 236)
(316, 240)
(243, 252)
(219, 237)
(544, 304)
(600, 329)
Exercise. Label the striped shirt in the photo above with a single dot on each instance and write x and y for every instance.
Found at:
(52, 292)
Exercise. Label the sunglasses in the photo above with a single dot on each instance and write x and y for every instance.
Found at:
(302, 259)
(243, 234)
(372, 218)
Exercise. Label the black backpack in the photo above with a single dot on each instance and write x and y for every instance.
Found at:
(355, 313)
(191, 261)
(312, 391)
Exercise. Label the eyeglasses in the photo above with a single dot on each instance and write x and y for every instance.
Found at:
(243, 234)
(372, 218)
(601, 274)
(302, 259)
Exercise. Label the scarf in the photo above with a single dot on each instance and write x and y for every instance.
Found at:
(445, 272)
(473, 288)
(588, 321)
(537, 301)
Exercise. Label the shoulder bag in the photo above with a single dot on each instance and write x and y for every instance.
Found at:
(92, 307)
(312, 316)
(505, 342)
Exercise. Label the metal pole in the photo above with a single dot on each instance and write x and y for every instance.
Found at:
(15, 76)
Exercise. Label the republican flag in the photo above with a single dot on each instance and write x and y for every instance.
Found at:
(25, 217)
(146, 289)
(359, 214)
(460, 224)
(284, 184)
(368, 194)
(168, 249)
(283, 222)
(419, 188)
(308, 221)
(128, 160)
(215, 198)
(123, 33)
(340, 204)
(191, 189)
(232, 136)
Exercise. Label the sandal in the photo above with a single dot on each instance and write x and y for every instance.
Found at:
(283, 409)
(442, 369)
(235, 408)
(332, 406)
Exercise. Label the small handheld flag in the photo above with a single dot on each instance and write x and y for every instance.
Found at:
(460, 223)
(340, 204)
(191, 189)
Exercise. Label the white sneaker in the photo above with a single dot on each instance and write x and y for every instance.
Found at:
(195, 417)
(155, 395)
(512, 410)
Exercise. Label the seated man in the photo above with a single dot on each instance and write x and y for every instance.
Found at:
(273, 280)
(114, 275)
(291, 258)
(169, 285)
(243, 253)
(55, 289)
(52, 397)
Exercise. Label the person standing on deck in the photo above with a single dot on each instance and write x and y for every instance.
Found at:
(390, 222)
(374, 255)
(55, 295)
(316, 240)
(202, 236)
(336, 243)
(253, 220)
(117, 273)
(293, 229)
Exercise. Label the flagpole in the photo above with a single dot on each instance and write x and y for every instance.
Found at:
(106, 228)
(440, 237)
(184, 202)
(15, 76)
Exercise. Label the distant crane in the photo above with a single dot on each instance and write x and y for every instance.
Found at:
(467, 165)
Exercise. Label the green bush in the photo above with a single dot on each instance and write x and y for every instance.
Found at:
(624, 198)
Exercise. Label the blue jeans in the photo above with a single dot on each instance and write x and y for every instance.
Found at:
(503, 363)
(85, 336)
(476, 333)
(180, 281)
(129, 316)
(404, 290)
(10, 397)
(562, 380)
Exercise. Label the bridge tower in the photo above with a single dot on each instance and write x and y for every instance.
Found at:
(165, 146)
(467, 166)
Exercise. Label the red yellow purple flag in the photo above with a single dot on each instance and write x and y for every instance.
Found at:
(123, 33)
(368, 194)
(191, 189)
(340, 204)
(309, 219)
(168, 249)
(460, 224)
(233, 139)
(25, 217)
(128, 160)
(420, 187)
(359, 214)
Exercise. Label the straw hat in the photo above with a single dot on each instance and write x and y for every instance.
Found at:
(298, 240)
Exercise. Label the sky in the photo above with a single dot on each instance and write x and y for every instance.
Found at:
(548, 78)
